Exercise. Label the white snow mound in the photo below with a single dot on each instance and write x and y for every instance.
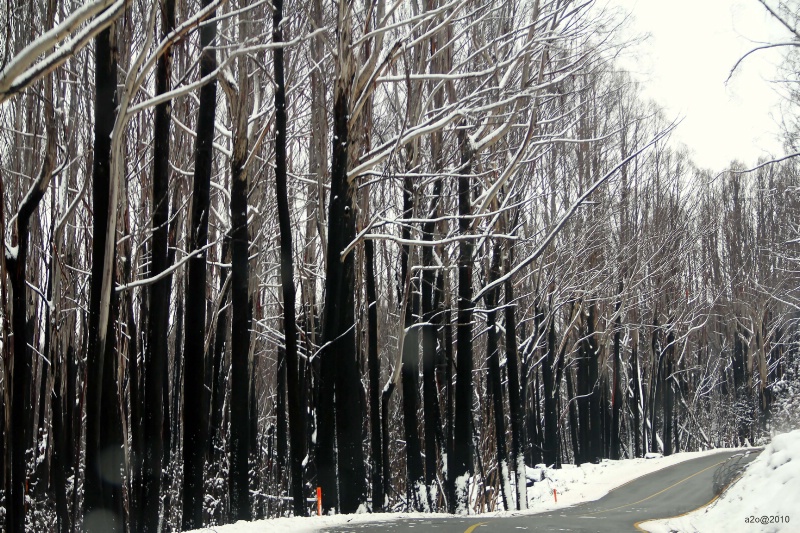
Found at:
(765, 499)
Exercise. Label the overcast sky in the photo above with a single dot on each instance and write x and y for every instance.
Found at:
(692, 47)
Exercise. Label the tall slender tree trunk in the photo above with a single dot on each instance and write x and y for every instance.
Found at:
(373, 361)
(636, 385)
(195, 421)
(430, 398)
(669, 357)
(461, 466)
(516, 407)
(550, 452)
(410, 365)
(340, 355)
(241, 319)
(616, 393)
(496, 389)
(155, 358)
(296, 415)
(103, 498)
(22, 357)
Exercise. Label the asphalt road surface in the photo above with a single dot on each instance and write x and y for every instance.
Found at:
(672, 491)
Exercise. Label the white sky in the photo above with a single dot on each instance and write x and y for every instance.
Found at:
(692, 47)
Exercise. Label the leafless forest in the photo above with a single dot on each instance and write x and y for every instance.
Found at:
(394, 249)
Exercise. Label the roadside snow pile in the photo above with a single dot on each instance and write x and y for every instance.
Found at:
(764, 499)
(589, 482)
(573, 484)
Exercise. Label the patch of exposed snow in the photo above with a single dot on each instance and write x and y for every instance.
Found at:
(764, 499)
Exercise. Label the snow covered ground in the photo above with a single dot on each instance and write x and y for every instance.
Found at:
(765, 499)
(573, 485)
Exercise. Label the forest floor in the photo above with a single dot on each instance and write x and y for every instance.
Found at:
(765, 499)
(573, 485)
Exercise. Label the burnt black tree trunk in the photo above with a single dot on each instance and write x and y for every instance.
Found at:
(103, 498)
(514, 387)
(296, 415)
(240, 332)
(668, 395)
(461, 458)
(595, 400)
(616, 393)
(281, 432)
(410, 366)
(21, 377)
(338, 331)
(195, 421)
(574, 433)
(496, 389)
(584, 392)
(550, 448)
(155, 356)
(373, 360)
(430, 399)
(637, 400)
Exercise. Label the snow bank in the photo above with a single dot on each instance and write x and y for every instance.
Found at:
(573, 484)
(590, 482)
(765, 499)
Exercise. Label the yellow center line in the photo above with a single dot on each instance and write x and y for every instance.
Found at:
(471, 528)
(657, 493)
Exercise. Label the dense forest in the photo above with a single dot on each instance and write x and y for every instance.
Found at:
(396, 250)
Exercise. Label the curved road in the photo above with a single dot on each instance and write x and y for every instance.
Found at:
(669, 492)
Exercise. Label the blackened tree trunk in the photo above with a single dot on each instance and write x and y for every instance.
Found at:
(636, 385)
(410, 366)
(373, 361)
(655, 387)
(450, 394)
(573, 420)
(102, 500)
(281, 432)
(550, 448)
(514, 388)
(595, 399)
(461, 458)
(240, 325)
(386, 396)
(338, 335)
(584, 391)
(155, 357)
(616, 393)
(22, 374)
(296, 415)
(668, 395)
(195, 421)
(496, 389)
(430, 398)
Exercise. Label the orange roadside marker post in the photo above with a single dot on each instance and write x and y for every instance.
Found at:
(555, 498)
(319, 501)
